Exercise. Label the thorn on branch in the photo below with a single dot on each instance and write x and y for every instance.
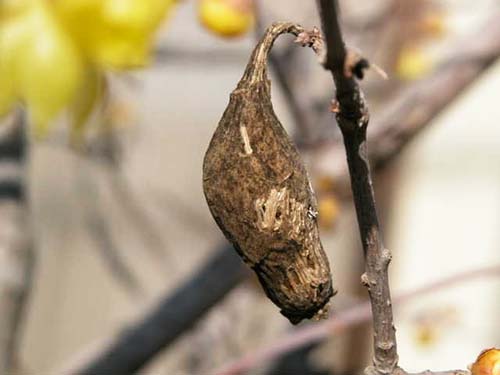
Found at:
(355, 65)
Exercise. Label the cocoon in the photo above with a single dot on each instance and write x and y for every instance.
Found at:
(259, 193)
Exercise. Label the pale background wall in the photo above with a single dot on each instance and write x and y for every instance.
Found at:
(447, 220)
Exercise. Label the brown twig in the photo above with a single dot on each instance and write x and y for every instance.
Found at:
(342, 320)
(352, 118)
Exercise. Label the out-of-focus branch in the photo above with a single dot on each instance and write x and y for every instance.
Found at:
(95, 220)
(296, 107)
(107, 152)
(428, 372)
(416, 106)
(298, 361)
(190, 56)
(342, 320)
(352, 118)
(16, 251)
(173, 316)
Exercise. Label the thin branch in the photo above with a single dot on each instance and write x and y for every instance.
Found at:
(107, 153)
(100, 231)
(190, 56)
(417, 106)
(342, 320)
(173, 316)
(299, 361)
(144, 226)
(352, 118)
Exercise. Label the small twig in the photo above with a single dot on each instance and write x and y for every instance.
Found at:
(342, 320)
(107, 153)
(352, 117)
(220, 56)
(100, 232)
(139, 219)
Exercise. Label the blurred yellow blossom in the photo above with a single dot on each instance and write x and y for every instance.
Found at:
(412, 63)
(228, 18)
(488, 363)
(431, 325)
(329, 211)
(433, 24)
(39, 63)
(114, 34)
(53, 53)
(328, 204)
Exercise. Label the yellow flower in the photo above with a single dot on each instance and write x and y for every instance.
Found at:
(433, 24)
(228, 18)
(39, 63)
(53, 53)
(488, 363)
(329, 211)
(412, 63)
(114, 34)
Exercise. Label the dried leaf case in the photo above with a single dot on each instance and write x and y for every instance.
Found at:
(259, 193)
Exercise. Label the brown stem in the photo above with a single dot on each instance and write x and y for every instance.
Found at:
(377, 257)
(257, 69)
(352, 117)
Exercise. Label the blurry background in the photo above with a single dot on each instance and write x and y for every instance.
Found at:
(121, 224)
